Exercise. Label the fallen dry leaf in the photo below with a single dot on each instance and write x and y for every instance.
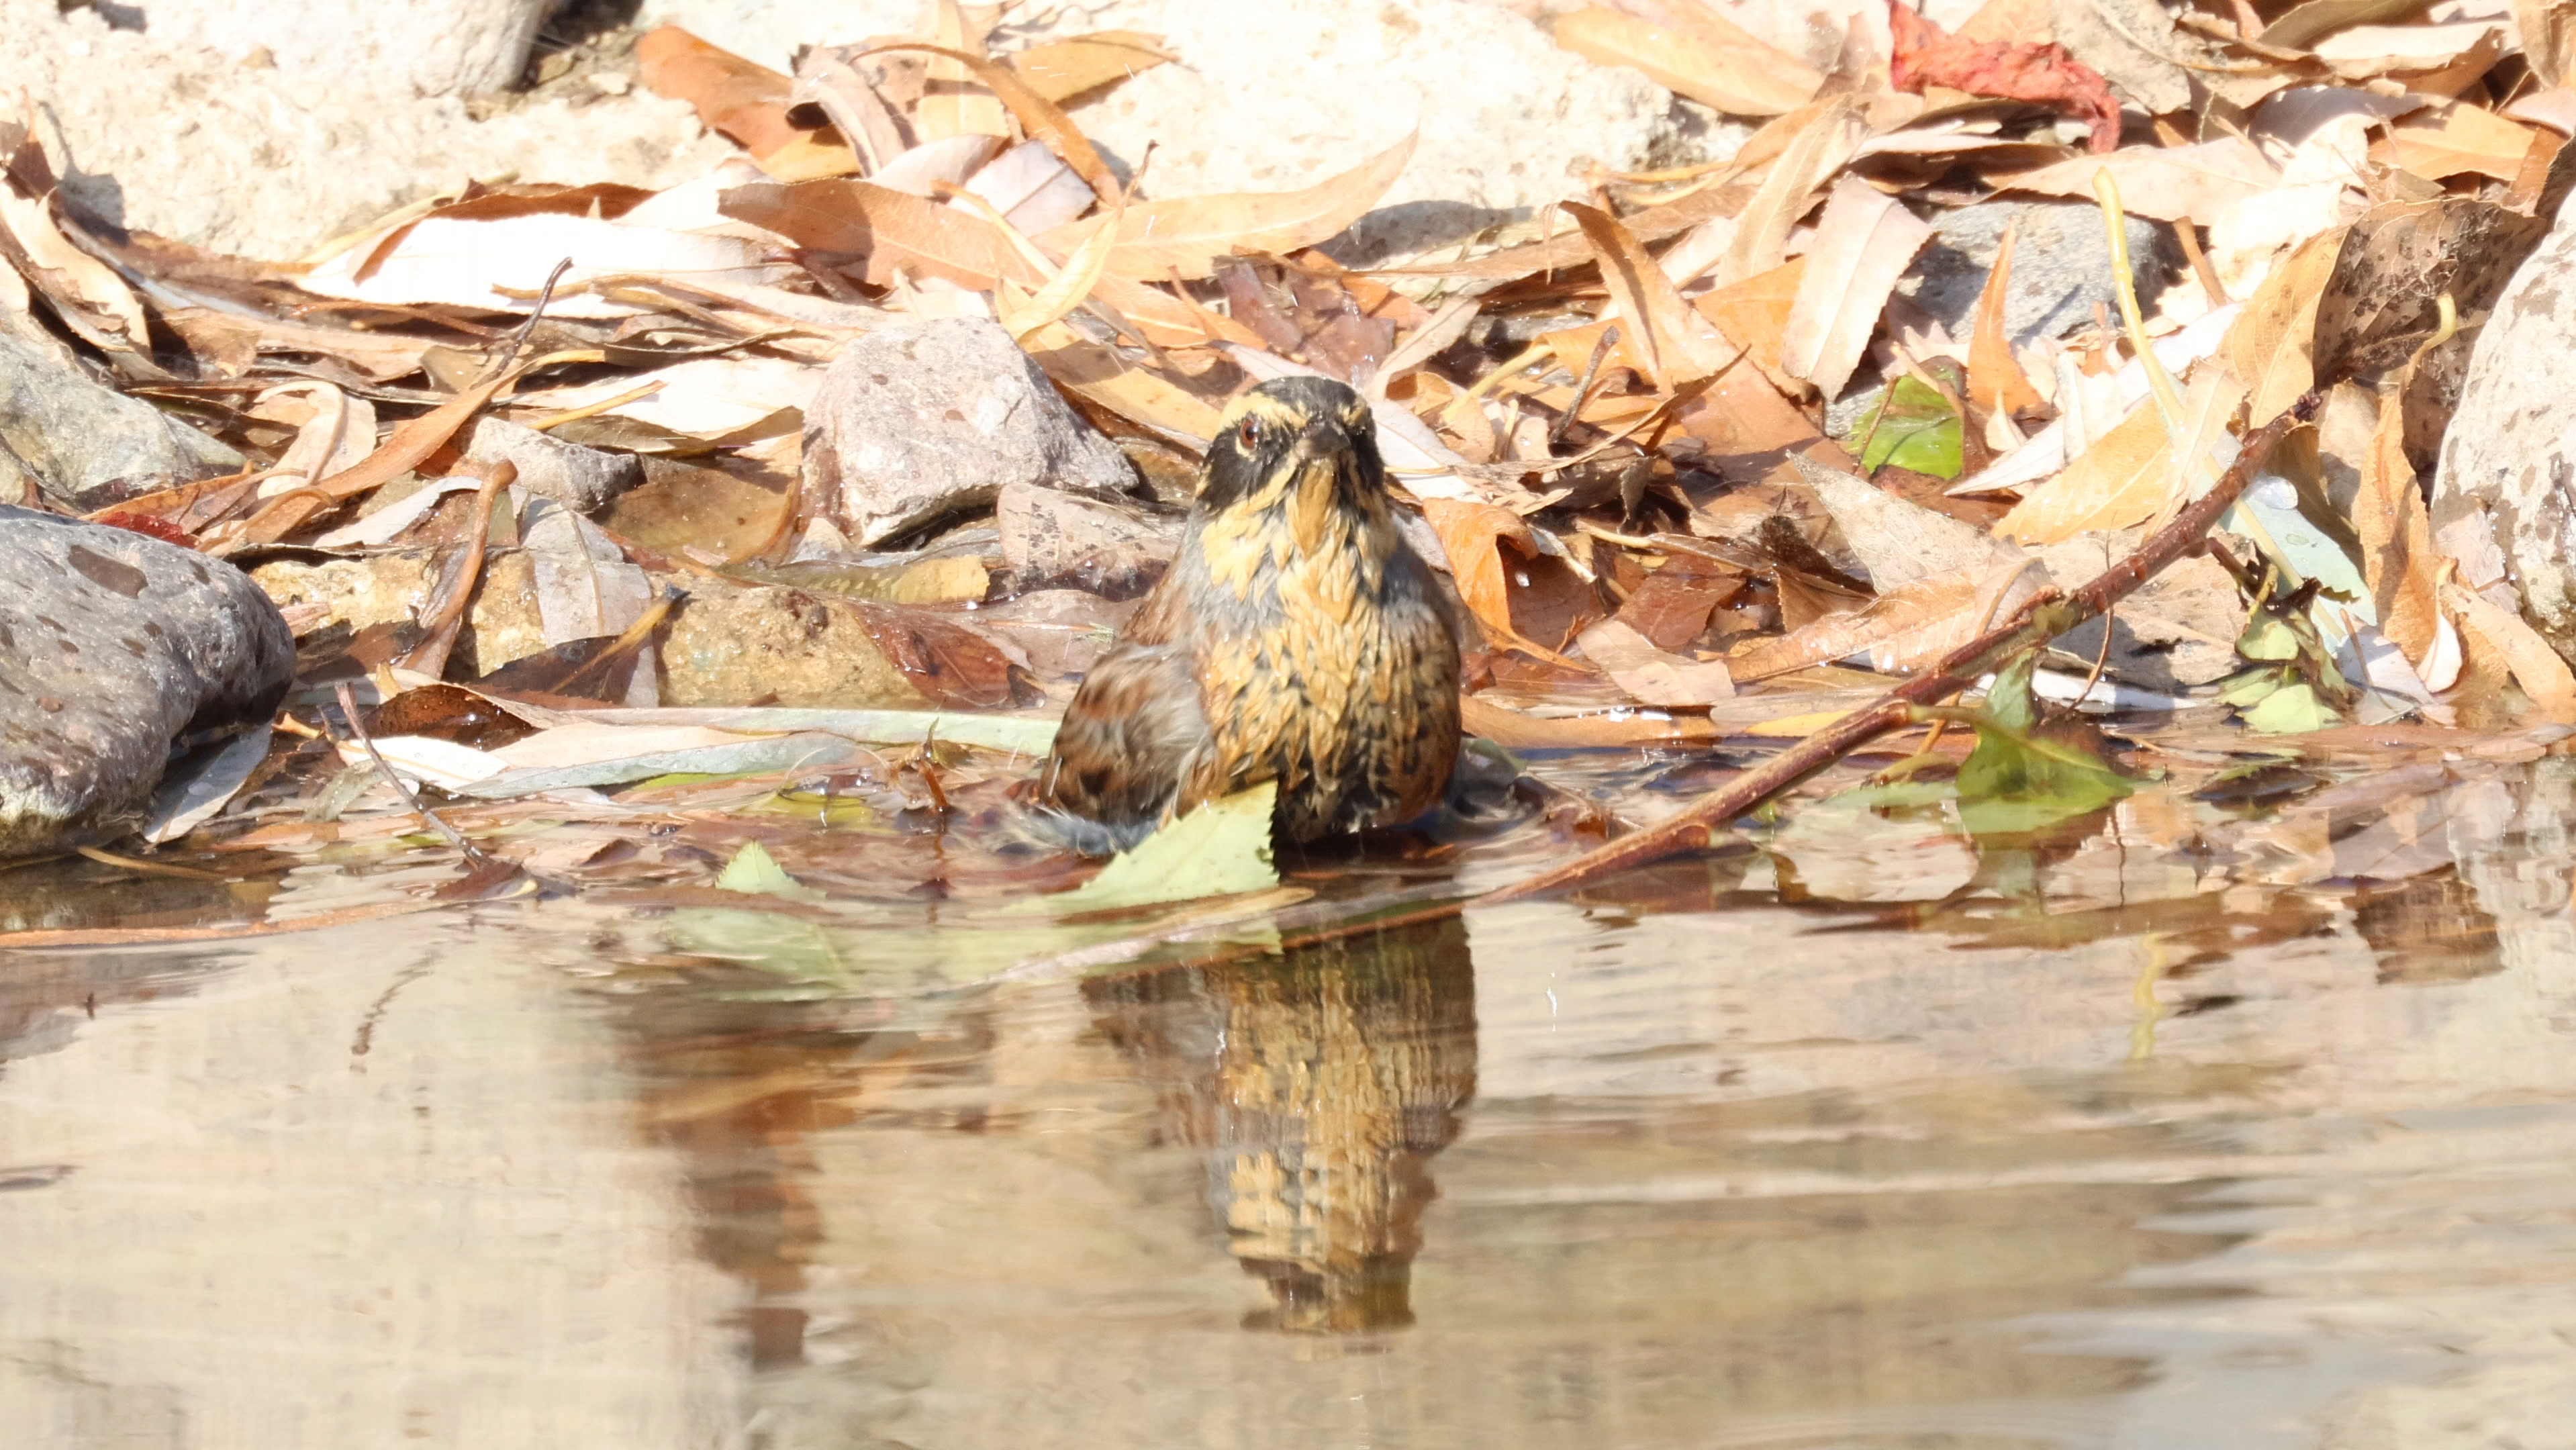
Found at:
(2167, 183)
(1677, 345)
(1814, 142)
(2127, 476)
(889, 228)
(951, 103)
(1711, 61)
(1897, 631)
(736, 97)
(501, 263)
(2536, 667)
(1864, 242)
(1651, 675)
(2273, 341)
(2448, 140)
(1996, 382)
(1185, 235)
(1062, 69)
(2397, 554)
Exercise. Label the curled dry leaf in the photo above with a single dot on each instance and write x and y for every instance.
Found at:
(1185, 235)
(2397, 554)
(2536, 667)
(1065, 291)
(1706, 58)
(1814, 142)
(1864, 242)
(1473, 535)
(87, 293)
(1996, 382)
(738, 98)
(1038, 115)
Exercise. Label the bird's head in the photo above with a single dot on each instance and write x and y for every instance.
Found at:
(1302, 451)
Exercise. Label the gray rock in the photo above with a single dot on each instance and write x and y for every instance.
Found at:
(1115, 550)
(88, 446)
(113, 646)
(582, 479)
(2061, 265)
(2510, 452)
(922, 420)
(426, 47)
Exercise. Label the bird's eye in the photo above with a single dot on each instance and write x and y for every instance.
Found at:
(1248, 433)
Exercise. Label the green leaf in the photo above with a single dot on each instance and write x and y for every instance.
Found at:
(1220, 849)
(1913, 427)
(754, 872)
(2292, 710)
(2027, 772)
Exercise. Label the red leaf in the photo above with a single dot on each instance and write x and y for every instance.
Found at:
(1927, 55)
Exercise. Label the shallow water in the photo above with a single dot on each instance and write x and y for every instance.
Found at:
(2181, 1131)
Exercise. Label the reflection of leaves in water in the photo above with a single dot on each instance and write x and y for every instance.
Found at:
(768, 941)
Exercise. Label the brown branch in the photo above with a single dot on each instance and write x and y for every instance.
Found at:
(2042, 619)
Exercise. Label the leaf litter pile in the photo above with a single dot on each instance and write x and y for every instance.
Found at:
(1735, 499)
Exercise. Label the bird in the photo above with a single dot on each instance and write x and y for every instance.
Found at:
(1295, 638)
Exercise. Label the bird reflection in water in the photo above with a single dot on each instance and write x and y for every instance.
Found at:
(1317, 1084)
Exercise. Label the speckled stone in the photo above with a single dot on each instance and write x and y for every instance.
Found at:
(113, 647)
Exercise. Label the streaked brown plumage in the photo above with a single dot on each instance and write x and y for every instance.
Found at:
(1295, 638)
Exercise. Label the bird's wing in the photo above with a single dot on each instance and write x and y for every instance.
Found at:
(1134, 733)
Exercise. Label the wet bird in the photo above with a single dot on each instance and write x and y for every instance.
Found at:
(1296, 638)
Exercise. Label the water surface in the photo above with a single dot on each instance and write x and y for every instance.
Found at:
(2181, 1129)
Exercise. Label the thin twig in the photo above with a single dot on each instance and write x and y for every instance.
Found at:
(349, 711)
(2045, 617)
(1591, 373)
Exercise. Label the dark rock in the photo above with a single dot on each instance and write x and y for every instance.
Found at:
(922, 420)
(88, 446)
(2061, 265)
(113, 646)
(582, 479)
